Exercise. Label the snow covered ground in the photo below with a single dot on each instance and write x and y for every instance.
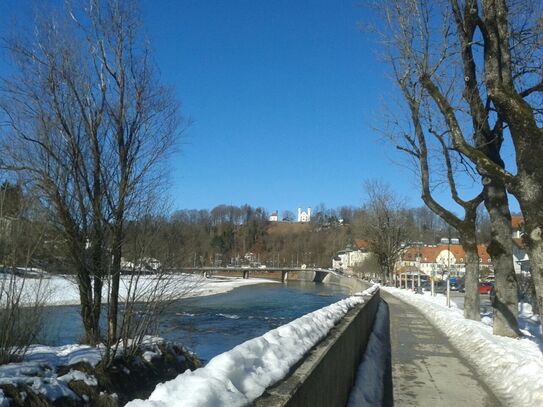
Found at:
(39, 370)
(512, 368)
(239, 376)
(62, 289)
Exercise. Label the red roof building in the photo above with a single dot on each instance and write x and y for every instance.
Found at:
(439, 258)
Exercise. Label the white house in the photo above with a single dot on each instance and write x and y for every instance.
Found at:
(303, 216)
(274, 217)
(521, 261)
(516, 224)
(351, 256)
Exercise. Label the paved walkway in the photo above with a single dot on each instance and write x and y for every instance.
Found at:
(426, 369)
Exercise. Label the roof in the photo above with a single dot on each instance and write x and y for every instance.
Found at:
(362, 243)
(428, 254)
(517, 221)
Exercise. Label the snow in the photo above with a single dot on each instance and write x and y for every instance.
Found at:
(150, 355)
(39, 370)
(368, 389)
(62, 289)
(512, 368)
(239, 376)
(78, 375)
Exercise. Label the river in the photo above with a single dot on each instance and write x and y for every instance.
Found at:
(214, 324)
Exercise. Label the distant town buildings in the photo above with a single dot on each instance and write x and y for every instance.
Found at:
(351, 256)
(444, 258)
(517, 222)
(303, 216)
(448, 257)
(521, 260)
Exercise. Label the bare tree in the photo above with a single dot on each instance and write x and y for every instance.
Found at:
(23, 293)
(146, 292)
(419, 50)
(501, 56)
(143, 122)
(384, 225)
(90, 125)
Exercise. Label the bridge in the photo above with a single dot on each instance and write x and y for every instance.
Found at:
(245, 271)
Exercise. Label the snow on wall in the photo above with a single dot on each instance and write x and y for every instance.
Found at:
(369, 387)
(512, 368)
(237, 377)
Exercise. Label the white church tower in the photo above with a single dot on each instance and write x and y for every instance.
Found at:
(303, 216)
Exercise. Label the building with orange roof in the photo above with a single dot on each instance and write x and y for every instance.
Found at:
(439, 259)
(517, 223)
(362, 244)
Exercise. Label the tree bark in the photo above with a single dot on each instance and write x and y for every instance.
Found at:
(115, 281)
(533, 221)
(471, 278)
(500, 250)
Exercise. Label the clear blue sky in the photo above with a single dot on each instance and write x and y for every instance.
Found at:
(284, 96)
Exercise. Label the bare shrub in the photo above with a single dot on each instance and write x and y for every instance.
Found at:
(22, 302)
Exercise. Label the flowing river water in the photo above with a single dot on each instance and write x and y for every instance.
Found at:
(214, 324)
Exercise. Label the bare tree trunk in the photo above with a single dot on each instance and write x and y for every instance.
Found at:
(501, 252)
(88, 316)
(115, 281)
(471, 279)
(534, 246)
(526, 133)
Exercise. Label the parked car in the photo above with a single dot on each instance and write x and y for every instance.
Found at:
(425, 285)
(440, 287)
(485, 288)
(455, 286)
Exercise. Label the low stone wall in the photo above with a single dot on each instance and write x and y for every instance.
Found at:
(353, 284)
(326, 375)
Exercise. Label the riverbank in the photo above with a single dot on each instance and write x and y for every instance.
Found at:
(206, 325)
(74, 375)
(57, 290)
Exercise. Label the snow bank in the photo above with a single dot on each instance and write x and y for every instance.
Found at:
(39, 370)
(512, 368)
(239, 376)
(62, 289)
(369, 387)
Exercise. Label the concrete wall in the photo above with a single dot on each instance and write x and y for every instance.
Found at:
(326, 375)
(353, 284)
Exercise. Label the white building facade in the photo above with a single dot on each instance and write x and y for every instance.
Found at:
(304, 217)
